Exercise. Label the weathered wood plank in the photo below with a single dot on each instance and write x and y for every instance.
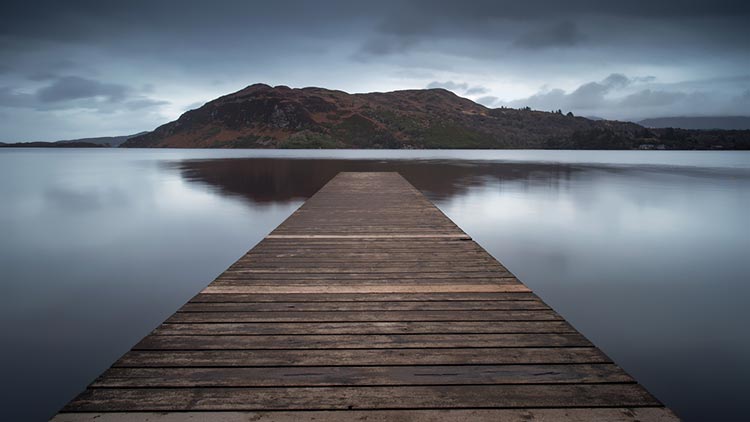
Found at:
(361, 357)
(449, 270)
(343, 398)
(445, 283)
(405, 341)
(343, 282)
(349, 297)
(394, 276)
(360, 376)
(367, 306)
(362, 316)
(369, 236)
(400, 327)
(629, 414)
(365, 289)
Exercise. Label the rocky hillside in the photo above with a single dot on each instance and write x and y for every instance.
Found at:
(261, 116)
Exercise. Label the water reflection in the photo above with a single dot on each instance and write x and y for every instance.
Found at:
(276, 180)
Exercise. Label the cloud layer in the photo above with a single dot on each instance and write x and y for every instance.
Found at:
(82, 68)
(620, 97)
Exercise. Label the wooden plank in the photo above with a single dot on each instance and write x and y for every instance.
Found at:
(404, 341)
(368, 270)
(339, 281)
(361, 357)
(395, 276)
(359, 260)
(369, 236)
(400, 327)
(618, 414)
(367, 306)
(364, 289)
(348, 297)
(343, 398)
(363, 316)
(360, 376)
(369, 245)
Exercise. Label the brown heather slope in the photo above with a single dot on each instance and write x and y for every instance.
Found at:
(261, 116)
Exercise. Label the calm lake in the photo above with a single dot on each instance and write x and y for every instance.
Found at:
(647, 253)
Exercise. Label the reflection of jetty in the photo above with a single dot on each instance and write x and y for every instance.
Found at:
(367, 303)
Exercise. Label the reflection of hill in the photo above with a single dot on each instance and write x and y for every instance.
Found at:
(283, 179)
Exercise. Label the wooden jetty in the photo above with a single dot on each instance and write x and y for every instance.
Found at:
(367, 303)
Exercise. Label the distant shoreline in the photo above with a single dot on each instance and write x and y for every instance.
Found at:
(52, 145)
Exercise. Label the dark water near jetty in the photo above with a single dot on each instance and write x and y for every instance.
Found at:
(645, 252)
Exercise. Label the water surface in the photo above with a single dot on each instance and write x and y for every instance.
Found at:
(645, 252)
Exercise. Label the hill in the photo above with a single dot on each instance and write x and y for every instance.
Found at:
(68, 144)
(104, 141)
(261, 116)
(111, 141)
(699, 123)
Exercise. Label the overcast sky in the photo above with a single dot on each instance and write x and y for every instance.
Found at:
(72, 69)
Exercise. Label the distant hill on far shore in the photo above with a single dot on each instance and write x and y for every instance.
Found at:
(113, 141)
(69, 144)
(701, 123)
(103, 141)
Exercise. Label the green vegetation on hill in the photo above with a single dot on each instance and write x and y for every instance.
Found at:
(309, 140)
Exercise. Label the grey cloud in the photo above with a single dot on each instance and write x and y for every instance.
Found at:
(563, 34)
(385, 45)
(617, 80)
(11, 98)
(461, 88)
(488, 100)
(41, 76)
(409, 73)
(639, 28)
(74, 88)
(741, 102)
(620, 97)
(143, 103)
(73, 92)
(477, 90)
(435, 17)
(449, 85)
(195, 105)
(649, 98)
(537, 10)
(541, 101)
(589, 95)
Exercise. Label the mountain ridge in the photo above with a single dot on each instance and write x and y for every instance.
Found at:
(699, 122)
(261, 116)
(105, 141)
